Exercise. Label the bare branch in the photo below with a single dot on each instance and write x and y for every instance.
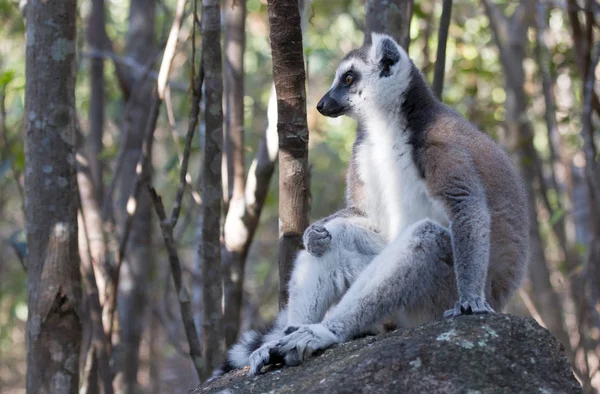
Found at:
(100, 347)
(137, 68)
(192, 124)
(137, 90)
(169, 54)
(183, 296)
(440, 61)
(96, 34)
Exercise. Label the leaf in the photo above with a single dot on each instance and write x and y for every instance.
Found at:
(6, 77)
(556, 216)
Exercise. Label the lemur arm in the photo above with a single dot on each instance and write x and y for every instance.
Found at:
(343, 213)
(454, 180)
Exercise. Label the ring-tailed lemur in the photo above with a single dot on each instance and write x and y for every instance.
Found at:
(436, 223)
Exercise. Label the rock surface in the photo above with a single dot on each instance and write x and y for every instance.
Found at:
(471, 354)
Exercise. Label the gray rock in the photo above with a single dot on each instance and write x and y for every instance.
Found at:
(471, 354)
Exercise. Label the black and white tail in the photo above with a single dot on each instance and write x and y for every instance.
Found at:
(239, 354)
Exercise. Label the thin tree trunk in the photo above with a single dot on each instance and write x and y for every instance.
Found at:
(390, 17)
(544, 64)
(133, 280)
(581, 46)
(98, 355)
(93, 221)
(92, 251)
(96, 38)
(290, 77)
(241, 224)
(440, 61)
(235, 231)
(591, 273)
(54, 280)
(209, 250)
(426, 35)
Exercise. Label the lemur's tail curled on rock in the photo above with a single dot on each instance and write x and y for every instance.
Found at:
(238, 356)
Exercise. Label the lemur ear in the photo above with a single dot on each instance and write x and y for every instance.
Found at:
(386, 53)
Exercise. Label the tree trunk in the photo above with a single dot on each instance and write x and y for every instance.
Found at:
(235, 231)
(241, 224)
(440, 60)
(290, 77)
(210, 250)
(133, 281)
(95, 37)
(389, 17)
(54, 288)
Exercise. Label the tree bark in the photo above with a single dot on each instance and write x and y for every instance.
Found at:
(289, 76)
(54, 280)
(440, 61)
(209, 250)
(390, 17)
(96, 39)
(235, 232)
(133, 281)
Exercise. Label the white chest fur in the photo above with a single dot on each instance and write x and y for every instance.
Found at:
(396, 196)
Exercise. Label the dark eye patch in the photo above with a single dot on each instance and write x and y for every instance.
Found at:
(355, 78)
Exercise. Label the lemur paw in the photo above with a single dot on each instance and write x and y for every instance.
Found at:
(317, 240)
(304, 342)
(260, 358)
(469, 306)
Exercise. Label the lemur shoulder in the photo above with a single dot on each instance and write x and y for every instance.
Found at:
(436, 223)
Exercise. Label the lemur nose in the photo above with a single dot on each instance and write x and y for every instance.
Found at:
(320, 105)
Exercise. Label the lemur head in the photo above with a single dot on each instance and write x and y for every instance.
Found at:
(369, 79)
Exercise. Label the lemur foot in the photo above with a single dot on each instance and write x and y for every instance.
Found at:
(469, 306)
(317, 240)
(304, 342)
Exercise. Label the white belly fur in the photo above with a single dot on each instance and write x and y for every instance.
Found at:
(396, 196)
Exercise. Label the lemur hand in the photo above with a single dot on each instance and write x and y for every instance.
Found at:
(316, 240)
(469, 306)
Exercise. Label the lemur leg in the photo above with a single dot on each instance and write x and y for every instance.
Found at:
(412, 275)
(337, 251)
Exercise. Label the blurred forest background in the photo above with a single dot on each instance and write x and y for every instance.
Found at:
(525, 72)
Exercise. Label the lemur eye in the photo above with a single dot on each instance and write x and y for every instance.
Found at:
(348, 79)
